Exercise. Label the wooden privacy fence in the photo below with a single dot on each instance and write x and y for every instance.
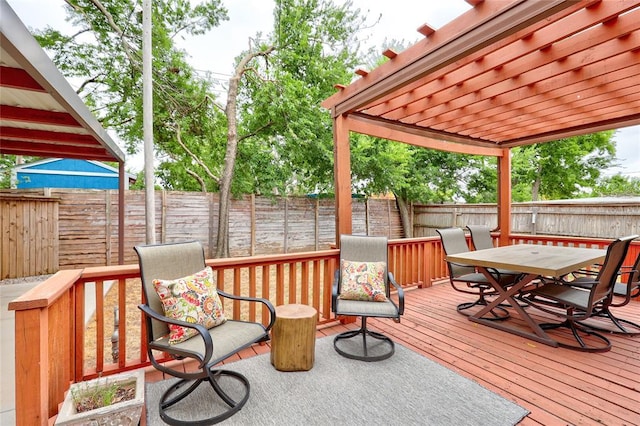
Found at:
(29, 235)
(43, 231)
(607, 219)
(83, 226)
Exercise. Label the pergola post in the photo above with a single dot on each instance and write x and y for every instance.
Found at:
(342, 176)
(504, 196)
(121, 194)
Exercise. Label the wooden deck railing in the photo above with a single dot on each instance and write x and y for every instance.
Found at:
(64, 326)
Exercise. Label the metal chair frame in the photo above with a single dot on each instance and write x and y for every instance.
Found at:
(366, 249)
(576, 305)
(623, 291)
(208, 348)
(466, 278)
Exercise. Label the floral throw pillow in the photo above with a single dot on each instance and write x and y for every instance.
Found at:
(193, 299)
(362, 281)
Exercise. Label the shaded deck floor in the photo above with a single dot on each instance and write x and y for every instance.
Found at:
(558, 386)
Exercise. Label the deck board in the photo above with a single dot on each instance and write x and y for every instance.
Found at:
(557, 385)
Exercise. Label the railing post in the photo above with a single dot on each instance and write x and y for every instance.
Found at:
(115, 352)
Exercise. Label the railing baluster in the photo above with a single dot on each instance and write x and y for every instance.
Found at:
(418, 261)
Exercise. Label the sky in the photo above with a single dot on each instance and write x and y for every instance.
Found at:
(215, 51)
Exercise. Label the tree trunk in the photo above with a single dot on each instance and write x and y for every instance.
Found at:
(535, 189)
(222, 243)
(405, 216)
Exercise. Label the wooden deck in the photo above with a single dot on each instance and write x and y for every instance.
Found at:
(558, 386)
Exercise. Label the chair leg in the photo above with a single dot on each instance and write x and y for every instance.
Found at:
(365, 348)
(577, 330)
(499, 313)
(168, 399)
(622, 326)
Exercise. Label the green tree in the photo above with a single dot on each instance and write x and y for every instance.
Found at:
(104, 55)
(315, 46)
(7, 162)
(617, 185)
(561, 169)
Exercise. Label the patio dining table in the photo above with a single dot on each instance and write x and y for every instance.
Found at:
(533, 261)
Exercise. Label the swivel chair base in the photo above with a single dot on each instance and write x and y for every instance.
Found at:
(383, 348)
(576, 330)
(168, 399)
(604, 320)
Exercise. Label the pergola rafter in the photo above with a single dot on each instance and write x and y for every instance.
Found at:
(503, 74)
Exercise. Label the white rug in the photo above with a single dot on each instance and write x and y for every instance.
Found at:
(406, 389)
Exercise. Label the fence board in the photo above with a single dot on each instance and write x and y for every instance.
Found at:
(79, 228)
(575, 218)
(28, 235)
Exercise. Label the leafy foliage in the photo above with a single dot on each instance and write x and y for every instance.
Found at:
(284, 137)
(561, 169)
(617, 185)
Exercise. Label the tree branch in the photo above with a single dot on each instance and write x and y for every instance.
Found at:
(255, 132)
(197, 177)
(195, 157)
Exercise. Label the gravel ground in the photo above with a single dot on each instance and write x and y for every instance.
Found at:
(24, 280)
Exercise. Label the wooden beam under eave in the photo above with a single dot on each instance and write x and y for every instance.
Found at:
(31, 115)
(411, 135)
(504, 197)
(342, 176)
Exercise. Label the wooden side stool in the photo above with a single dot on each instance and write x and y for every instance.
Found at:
(293, 337)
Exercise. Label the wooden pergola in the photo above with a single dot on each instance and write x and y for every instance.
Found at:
(503, 74)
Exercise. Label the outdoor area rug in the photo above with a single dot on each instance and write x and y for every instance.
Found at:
(406, 389)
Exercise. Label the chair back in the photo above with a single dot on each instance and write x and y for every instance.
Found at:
(616, 253)
(166, 262)
(481, 236)
(634, 275)
(454, 242)
(363, 248)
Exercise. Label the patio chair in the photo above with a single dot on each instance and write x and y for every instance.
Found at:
(576, 304)
(466, 279)
(482, 239)
(626, 288)
(184, 318)
(362, 287)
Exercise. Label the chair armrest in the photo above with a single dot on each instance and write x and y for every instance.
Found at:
(202, 331)
(461, 264)
(586, 284)
(265, 302)
(400, 292)
(580, 273)
(334, 290)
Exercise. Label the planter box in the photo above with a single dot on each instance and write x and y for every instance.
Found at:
(121, 413)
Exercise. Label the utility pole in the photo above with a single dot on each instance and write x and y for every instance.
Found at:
(147, 118)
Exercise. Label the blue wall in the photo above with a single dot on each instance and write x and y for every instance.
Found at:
(66, 173)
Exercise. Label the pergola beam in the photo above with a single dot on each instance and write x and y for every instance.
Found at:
(517, 15)
(380, 128)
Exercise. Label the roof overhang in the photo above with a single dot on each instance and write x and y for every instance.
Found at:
(504, 74)
(40, 113)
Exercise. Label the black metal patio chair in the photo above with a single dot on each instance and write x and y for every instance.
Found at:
(575, 304)
(482, 239)
(627, 287)
(184, 318)
(466, 279)
(362, 287)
